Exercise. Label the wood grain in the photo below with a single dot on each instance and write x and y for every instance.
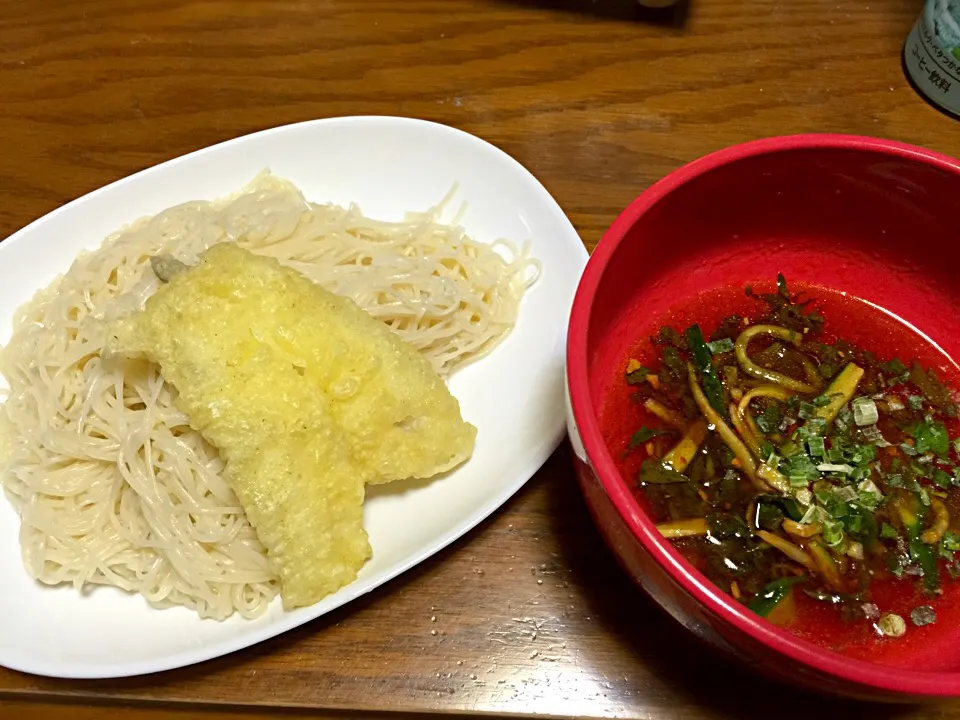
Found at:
(599, 100)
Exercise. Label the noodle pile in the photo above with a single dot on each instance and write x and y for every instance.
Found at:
(112, 485)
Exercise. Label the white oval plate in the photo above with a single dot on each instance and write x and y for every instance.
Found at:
(514, 396)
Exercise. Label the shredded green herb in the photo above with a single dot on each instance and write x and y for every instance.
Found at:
(931, 436)
(635, 377)
(712, 387)
(646, 434)
(656, 473)
(772, 595)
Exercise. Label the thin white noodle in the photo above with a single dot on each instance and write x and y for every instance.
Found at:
(112, 485)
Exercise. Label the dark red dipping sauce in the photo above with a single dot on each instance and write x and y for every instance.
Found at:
(847, 501)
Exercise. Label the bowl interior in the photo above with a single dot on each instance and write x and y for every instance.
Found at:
(855, 219)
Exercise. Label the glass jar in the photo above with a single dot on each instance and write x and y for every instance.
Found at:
(931, 54)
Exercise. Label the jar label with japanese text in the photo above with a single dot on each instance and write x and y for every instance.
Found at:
(932, 53)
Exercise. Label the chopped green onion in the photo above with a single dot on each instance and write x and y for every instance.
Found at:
(844, 417)
(832, 533)
(769, 420)
(916, 402)
(789, 449)
(723, 345)
(852, 524)
(864, 411)
(807, 410)
(869, 486)
(814, 513)
(803, 496)
(956, 445)
(861, 454)
(887, 531)
(834, 468)
(868, 500)
(813, 427)
(846, 493)
(941, 478)
(816, 446)
(800, 470)
(873, 434)
(908, 449)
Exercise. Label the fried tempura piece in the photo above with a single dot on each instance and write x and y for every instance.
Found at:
(401, 419)
(287, 460)
(307, 398)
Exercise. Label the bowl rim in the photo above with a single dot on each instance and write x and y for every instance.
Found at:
(719, 603)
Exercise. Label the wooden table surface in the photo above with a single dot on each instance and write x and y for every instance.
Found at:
(528, 614)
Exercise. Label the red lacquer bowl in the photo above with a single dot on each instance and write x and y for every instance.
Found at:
(877, 219)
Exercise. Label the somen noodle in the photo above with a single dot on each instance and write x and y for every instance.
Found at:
(112, 485)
